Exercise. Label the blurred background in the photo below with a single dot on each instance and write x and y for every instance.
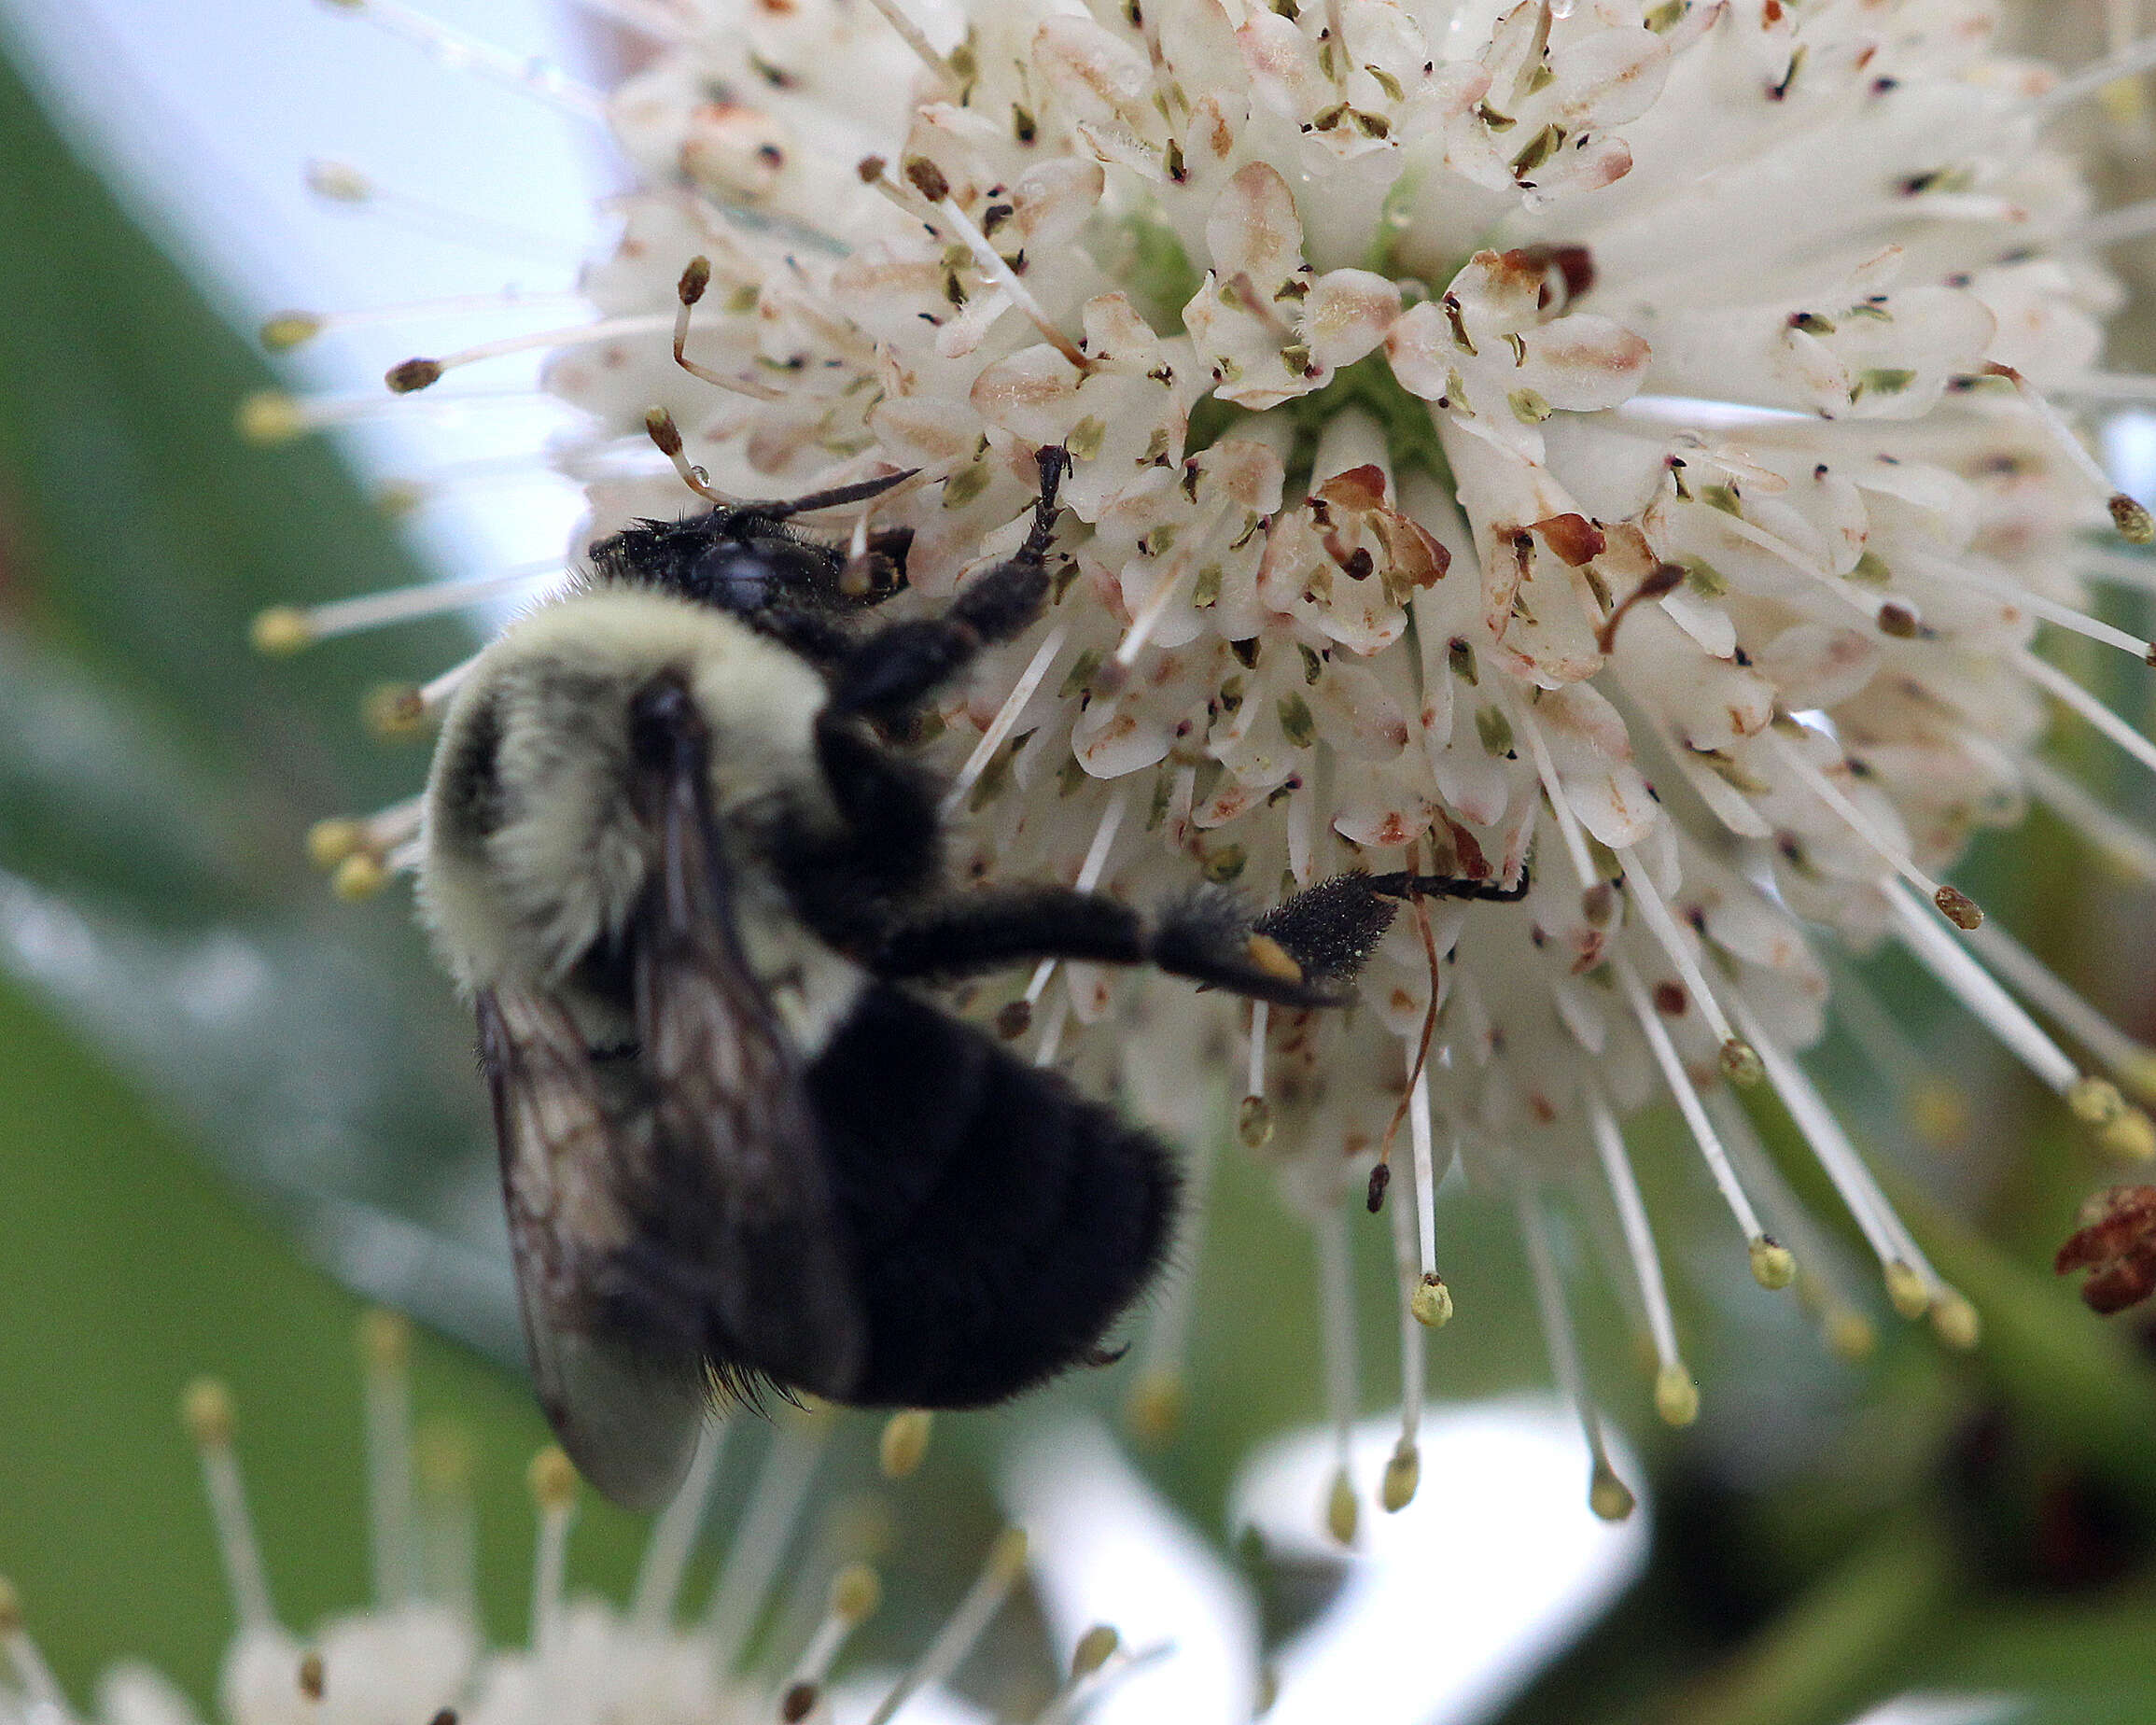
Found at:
(233, 1109)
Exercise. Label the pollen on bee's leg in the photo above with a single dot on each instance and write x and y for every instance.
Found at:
(904, 1442)
(552, 1478)
(386, 1352)
(776, 1499)
(207, 1407)
(955, 1640)
(673, 1534)
(856, 1593)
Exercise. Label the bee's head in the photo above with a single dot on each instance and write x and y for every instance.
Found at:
(556, 757)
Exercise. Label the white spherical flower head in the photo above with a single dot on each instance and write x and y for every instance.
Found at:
(1600, 452)
(417, 1653)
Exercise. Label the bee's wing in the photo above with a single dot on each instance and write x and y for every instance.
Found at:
(627, 1413)
(739, 1135)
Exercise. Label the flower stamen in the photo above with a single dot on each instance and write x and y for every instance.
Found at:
(673, 1534)
(408, 377)
(1607, 1495)
(207, 1407)
(1006, 1564)
(1337, 1312)
(776, 1502)
(1677, 1399)
(458, 52)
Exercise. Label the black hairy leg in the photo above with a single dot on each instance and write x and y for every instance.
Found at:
(1329, 930)
(895, 669)
(1207, 936)
(849, 883)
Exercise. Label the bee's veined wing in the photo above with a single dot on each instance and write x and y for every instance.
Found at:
(627, 1411)
(738, 1137)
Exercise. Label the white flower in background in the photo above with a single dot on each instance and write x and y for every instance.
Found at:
(1606, 438)
(418, 1653)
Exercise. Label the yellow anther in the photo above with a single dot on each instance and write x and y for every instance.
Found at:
(270, 416)
(330, 841)
(359, 877)
(1958, 908)
(552, 1478)
(384, 1338)
(1094, 1649)
(280, 631)
(904, 1441)
(1850, 1334)
(290, 329)
(1905, 1289)
(398, 498)
(1155, 1409)
(1773, 1266)
(1007, 1561)
(444, 1457)
(856, 1592)
(395, 712)
(1740, 1063)
(1430, 1302)
(206, 1406)
(314, 1677)
(1609, 1496)
(1342, 1512)
(2135, 525)
(1937, 1111)
(2131, 1137)
(1954, 1321)
(1403, 1474)
(2095, 1102)
(1253, 1122)
(1676, 1397)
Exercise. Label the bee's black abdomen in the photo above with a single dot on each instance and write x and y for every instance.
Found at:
(1001, 1222)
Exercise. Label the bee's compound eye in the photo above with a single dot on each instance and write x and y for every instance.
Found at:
(664, 720)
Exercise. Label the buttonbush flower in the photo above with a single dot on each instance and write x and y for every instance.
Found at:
(417, 1652)
(1622, 446)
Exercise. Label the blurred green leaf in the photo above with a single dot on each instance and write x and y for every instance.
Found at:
(157, 778)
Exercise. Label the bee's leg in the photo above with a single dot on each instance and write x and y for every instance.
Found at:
(1208, 937)
(899, 667)
(1331, 929)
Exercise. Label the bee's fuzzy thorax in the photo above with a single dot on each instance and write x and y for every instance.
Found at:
(532, 852)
